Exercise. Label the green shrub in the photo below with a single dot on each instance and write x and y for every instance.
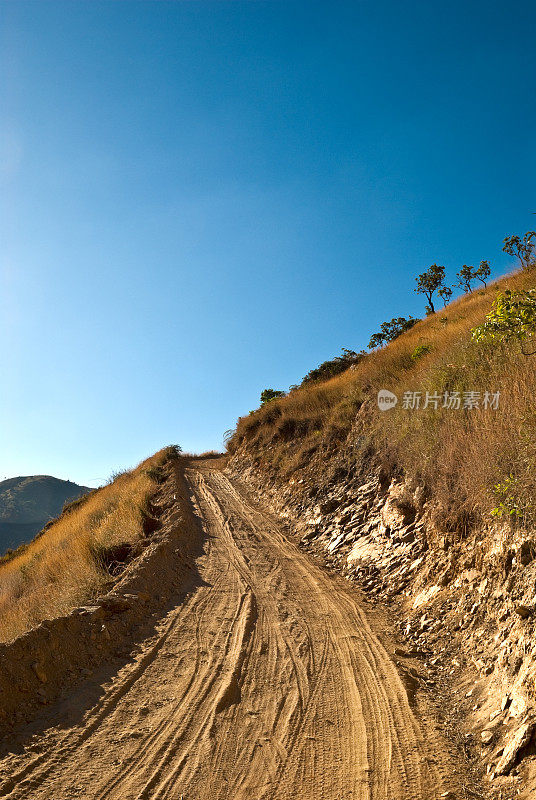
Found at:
(271, 394)
(508, 503)
(389, 331)
(420, 351)
(513, 317)
(172, 452)
(329, 369)
(156, 474)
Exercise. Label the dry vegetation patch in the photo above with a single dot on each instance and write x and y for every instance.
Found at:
(80, 552)
(463, 456)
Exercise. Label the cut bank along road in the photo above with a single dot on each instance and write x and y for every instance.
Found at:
(266, 683)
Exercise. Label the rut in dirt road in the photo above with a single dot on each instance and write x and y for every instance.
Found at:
(266, 683)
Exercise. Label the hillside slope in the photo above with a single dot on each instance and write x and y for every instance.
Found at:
(86, 547)
(431, 509)
(28, 503)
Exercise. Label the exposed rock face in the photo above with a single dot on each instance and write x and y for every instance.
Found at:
(465, 599)
(515, 745)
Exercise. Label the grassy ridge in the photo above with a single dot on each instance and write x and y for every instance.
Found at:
(75, 556)
(461, 455)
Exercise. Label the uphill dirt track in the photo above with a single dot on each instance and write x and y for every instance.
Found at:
(266, 683)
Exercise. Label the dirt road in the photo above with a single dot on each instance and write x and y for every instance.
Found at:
(267, 683)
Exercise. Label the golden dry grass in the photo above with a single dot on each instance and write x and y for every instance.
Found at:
(459, 455)
(64, 566)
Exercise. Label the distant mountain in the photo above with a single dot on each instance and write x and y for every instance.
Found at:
(28, 503)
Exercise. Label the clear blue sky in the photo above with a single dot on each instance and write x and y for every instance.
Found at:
(203, 199)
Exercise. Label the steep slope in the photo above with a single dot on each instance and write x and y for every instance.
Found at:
(28, 503)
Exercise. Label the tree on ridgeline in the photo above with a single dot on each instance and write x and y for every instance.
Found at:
(328, 369)
(429, 282)
(465, 278)
(391, 330)
(271, 394)
(483, 272)
(524, 249)
(445, 293)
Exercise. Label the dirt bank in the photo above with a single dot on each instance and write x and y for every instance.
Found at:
(464, 600)
(42, 665)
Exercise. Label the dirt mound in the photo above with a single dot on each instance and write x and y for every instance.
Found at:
(41, 665)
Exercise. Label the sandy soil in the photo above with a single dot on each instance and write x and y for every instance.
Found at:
(267, 682)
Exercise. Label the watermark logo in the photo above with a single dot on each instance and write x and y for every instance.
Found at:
(386, 400)
(413, 401)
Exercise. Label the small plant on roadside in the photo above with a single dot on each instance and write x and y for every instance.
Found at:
(508, 504)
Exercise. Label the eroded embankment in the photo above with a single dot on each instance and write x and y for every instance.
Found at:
(41, 665)
(463, 600)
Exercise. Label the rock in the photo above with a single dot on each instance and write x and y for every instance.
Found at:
(505, 702)
(519, 740)
(310, 534)
(114, 604)
(523, 611)
(39, 672)
(526, 553)
(486, 736)
(97, 612)
(329, 505)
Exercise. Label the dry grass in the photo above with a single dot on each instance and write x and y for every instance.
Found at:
(205, 455)
(459, 455)
(73, 559)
